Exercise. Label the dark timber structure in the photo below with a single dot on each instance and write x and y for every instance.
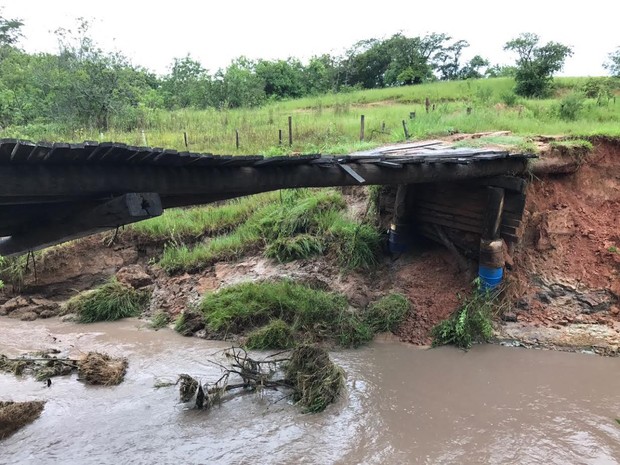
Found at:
(50, 193)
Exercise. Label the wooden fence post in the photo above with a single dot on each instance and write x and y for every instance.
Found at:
(237, 138)
(185, 139)
(362, 128)
(406, 130)
(290, 131)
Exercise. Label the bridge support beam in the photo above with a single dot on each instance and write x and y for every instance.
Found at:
(76, 223)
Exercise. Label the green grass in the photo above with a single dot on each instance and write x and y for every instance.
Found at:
(387, 313)
(109, 302)
(277, 334)
(180, 224)
(278, 314)
(300, 224)
(330, 123)
(160, 320)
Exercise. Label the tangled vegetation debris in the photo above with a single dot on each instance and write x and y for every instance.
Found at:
(101, 369)
(92, 368)
(307, 371)
(16, 415)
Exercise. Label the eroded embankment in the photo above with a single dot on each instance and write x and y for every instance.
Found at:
(564, 283)
(566, 278)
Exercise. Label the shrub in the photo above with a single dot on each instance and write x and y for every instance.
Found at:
(387, 313)
(109, 302)
(570, 106)
(277, 334)
(509, 98)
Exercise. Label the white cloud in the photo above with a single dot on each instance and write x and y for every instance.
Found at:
(153, 33)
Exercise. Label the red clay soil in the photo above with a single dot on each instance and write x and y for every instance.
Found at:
(432, 282)
(572, 236)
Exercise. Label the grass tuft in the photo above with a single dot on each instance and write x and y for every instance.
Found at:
(387, 313)
(277, 334)
(109, 302)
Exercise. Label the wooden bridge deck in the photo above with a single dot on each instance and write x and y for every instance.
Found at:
(55, 192)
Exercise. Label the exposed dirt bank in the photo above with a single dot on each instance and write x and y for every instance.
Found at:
(565, 282)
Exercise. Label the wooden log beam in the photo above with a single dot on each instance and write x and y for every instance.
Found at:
(86, 180)
(121, 210)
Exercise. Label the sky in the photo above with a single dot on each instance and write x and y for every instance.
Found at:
(152, 33)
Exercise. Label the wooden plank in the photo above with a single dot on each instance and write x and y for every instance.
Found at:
(39, 152)
(515, 203)
(493, 213)
(21, 151)
(471, 212)
(512, 183)
(6, 148)
(477, 222)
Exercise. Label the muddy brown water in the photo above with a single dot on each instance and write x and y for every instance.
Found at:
(403, 405)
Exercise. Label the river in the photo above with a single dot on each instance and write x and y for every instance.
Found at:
(403, 405)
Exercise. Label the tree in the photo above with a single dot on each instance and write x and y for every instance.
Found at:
(282, 78)
(187, 85)
(10, 31)
(449, 60)
(613, 63)
(472, 70)
(536, 64)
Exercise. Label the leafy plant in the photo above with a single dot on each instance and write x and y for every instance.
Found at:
(570, 106)
(471, 322)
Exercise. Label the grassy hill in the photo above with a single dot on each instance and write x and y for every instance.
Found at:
(331, 123)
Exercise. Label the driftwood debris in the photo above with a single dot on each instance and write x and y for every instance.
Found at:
(16, 415)
(312, 380)
(92, 368)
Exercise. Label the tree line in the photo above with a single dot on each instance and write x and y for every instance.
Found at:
(85, 86)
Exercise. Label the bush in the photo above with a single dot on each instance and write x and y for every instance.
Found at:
(109, 302)
(277, 334)
(387, 313)
(570, 106)
(509, 98)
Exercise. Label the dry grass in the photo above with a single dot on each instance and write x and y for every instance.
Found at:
(16, 415)
(101, 369)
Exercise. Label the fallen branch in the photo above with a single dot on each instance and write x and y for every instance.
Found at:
(314, 380)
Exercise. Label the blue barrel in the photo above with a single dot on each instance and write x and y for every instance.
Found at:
(490, 278)
(397, 240)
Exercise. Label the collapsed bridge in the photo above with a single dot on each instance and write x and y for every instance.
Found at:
(51, 193)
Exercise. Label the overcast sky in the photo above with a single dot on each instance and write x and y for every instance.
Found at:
(153, 33)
